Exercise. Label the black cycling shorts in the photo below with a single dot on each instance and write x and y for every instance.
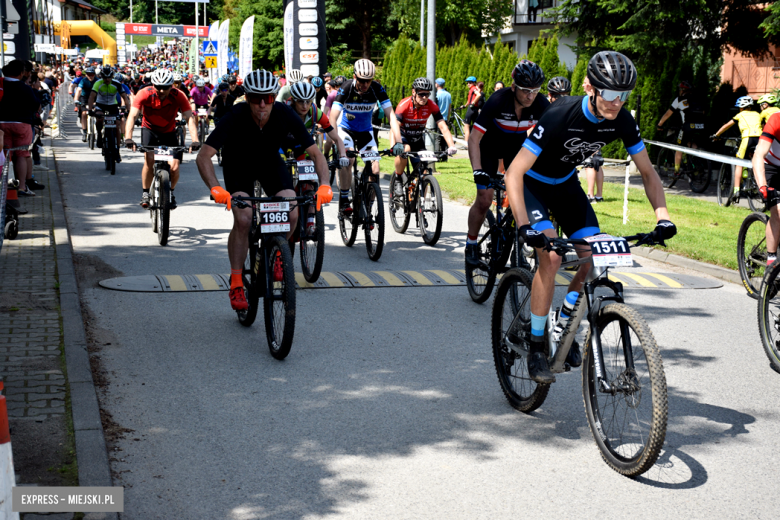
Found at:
(414, 146)
(273, 176)
(108, 109)
(691, 133)
(151, 138)
(471, 115)
(568, 204)
(772, 179)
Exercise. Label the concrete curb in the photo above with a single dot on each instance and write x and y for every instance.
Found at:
(91, 452)
(681, 261)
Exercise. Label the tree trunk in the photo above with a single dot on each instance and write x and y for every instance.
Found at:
(365, 29)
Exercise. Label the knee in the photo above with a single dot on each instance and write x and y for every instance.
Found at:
(549, 261)
(483, 200)
(242, 219)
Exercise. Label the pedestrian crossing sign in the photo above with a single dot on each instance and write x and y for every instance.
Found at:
(210, 61)
(209, 48)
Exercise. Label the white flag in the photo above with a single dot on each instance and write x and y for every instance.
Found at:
(222, 51)
(245, 47)
(214, 31)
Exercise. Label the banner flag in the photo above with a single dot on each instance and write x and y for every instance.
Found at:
(222, 44)
(245, 47)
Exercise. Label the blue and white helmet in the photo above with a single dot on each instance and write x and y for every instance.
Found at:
(744, 101)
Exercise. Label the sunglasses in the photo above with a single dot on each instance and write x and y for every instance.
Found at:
(162, 89)
(611, 95)
(304, 101)
(529, 90)
(364, 81)
(424, 94)
(257, 99)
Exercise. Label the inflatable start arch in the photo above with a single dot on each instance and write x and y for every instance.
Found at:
(91, 29)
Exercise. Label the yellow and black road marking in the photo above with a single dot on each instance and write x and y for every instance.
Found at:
(374, 279)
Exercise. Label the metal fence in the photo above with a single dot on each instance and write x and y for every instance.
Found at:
(61, 103)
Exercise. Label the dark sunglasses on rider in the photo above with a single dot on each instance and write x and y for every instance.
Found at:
(424, 94)
(363, 81)
(611, 95)
(159, 88)
(256, 99)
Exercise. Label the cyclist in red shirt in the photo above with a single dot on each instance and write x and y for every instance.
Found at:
(160, 104)
(766, 166)
(412, 114)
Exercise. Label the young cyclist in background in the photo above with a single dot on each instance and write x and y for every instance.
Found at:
(767, 104)
(750, 127)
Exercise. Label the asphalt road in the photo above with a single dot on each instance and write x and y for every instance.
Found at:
(388, 405)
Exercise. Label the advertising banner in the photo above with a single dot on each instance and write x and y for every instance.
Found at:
(214, 31)
(193, 65)
(245, 47)
(222, 41)
(304, 36)
(175, 31)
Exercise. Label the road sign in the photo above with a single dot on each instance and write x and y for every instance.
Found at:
(9, 47)
(211, 62)
(210, 48)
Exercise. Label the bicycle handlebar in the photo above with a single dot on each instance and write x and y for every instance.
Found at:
(439, 155)
(563, 245)
(172, 149)
(382, 153)
(241, 202)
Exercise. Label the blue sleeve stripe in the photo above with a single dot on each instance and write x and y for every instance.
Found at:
(337, 104)
(532, 147)
(633, 150)
(387, 104)
(542, 225)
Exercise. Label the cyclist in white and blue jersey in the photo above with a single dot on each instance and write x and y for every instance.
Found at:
(356, 98)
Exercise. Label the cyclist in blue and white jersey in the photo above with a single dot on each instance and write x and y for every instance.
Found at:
(356, 98)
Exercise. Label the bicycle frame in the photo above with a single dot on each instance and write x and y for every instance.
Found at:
(503, 219)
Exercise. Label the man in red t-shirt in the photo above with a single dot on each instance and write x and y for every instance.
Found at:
(160, 104)
(766, 166)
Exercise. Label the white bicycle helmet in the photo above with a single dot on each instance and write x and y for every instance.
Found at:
(303, 90)
(294, 76)
(261, 82)
(744, 101)
(176, 77)
(200, 82)
(365, 69)
(162, 78)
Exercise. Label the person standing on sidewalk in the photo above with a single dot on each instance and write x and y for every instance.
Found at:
(444, 100)
(18, 108)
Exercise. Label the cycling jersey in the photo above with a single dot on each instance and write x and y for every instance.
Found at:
(568, 133)
(315, 115)
(766, 114)
(221, 105)
(771, 134)
(160, 116)
(107, 91)
(686, 107)
(86, 88)
(357, 107)
(749, 123)
(124, 89)
(184, 91)
(504, 132)
(284, 94)
(412, 120)
(201, 98)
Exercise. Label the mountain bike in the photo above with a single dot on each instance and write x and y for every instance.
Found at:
(180, 131)
(312, 239)
(769, 315)
(368, 210)
(203, 124)
(456, 124)
(418, 192)
(110, 147)
(91, 132)
(752, 252)
(695, 170)
(268, 269)
(160, 191)
(623, 380)
(499, 242)
(748, 186)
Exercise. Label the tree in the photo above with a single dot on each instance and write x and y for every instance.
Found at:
(268, 41)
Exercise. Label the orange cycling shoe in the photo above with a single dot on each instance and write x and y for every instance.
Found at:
(238, 299)
(278, 272)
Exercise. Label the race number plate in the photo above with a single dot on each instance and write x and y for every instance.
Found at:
(110, 122)
(306, 171)
(161, 154)
(203, 112)
(274, 217)
(426, 156)
(609, 251)
(369, 156)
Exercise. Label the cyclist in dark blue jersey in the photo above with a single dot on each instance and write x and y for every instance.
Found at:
(543, 178)
(356, 99)
(498, 135)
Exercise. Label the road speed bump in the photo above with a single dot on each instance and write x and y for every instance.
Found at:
(376, 279)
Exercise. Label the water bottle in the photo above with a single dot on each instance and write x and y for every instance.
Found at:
(566, 311)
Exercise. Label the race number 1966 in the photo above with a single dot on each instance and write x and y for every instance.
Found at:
(609, 251)
(274, 217)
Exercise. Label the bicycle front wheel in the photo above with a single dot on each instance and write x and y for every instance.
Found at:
(511, 341)
(628, 423)
(480, 278)
(375, 221)
(163, 207)
(769, 316)
(251, 275)
(279, 301)
(665, 166)
(347, 221)
(725, 180)
(430, 210)
(700, 174)
(399, 205)
(313, 247)
(751, 252)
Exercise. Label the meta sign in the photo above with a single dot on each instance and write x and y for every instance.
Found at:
(304, 36)
(174, 31)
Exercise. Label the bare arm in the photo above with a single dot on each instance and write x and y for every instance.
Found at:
(653, 186)
(335, 112)
(666, 116)
(442, 124)
(725, 127)
(92, 98)
(320, 164)
(515, 183)
(395, 128)
(192, 126)
(474, 152)
(761, 152)
(131, 122)
(206, 166)
(334, 135)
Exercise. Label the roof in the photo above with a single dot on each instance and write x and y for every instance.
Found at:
(85, 5)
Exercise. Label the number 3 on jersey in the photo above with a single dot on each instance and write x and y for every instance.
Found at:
(539, 132)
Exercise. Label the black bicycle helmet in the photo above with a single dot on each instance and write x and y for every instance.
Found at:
(559, 85)
(611, 70)
(340, 80)
(422, 84)
(528, 74)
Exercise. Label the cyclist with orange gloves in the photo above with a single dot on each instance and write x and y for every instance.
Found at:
(250, 136)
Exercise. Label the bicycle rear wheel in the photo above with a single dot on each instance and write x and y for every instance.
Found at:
(430, 210)
(279, 301)
(700, 174)
(510, 342)
(163, 206)
(769, 316)
(664, 164)
(725, 180)
(399, 205)
(751, 252)
(347, 222)
(251, 274)
(629, 423)
(313, 248)
(374, 226)
(480, 279)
